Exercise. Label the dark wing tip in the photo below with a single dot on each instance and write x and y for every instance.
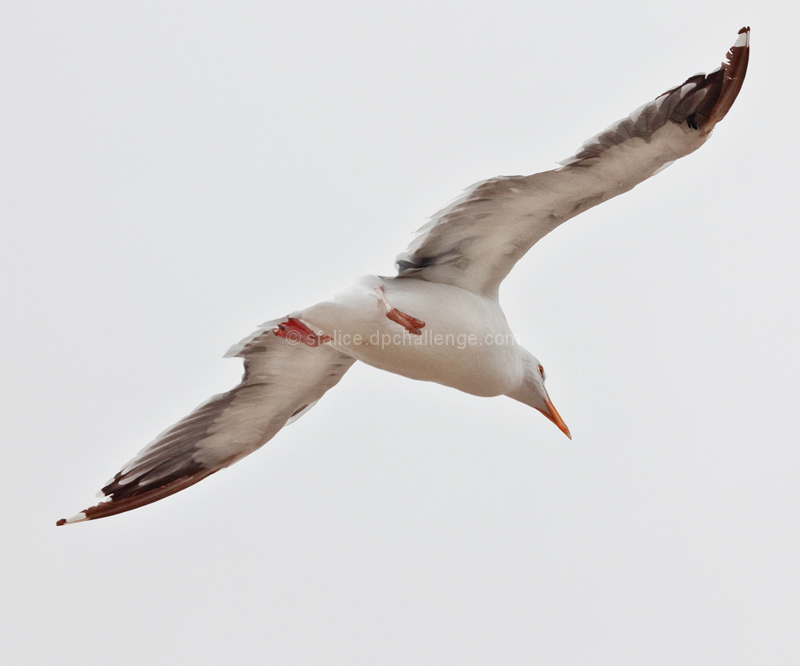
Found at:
(115, 505)
(733, 70)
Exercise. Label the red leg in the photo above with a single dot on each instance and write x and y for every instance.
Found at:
(295, 331)
(411, 324)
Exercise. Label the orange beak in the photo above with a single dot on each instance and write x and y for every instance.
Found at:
(555, 417)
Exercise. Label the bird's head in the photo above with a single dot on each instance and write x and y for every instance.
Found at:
(531, 391)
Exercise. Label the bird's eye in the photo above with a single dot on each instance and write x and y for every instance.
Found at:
(541, 372)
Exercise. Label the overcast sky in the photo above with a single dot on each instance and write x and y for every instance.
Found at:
(174, 174)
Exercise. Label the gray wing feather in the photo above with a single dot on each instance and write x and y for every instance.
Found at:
(475, 242)
(281, 382)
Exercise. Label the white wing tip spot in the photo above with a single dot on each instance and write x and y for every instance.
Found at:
(77, 518)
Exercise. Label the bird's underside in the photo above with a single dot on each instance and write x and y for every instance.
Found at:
(472, 245)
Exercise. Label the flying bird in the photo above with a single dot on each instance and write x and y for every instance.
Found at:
(439, 318)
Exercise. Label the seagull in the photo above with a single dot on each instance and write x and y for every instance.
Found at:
(439, 318)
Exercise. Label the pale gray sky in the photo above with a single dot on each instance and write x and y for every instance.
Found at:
(174, 174)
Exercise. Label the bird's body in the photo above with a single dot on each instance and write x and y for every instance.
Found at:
(466, 342)
(439, 319)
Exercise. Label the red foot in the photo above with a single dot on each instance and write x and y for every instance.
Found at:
(411, 324)
(296, 331)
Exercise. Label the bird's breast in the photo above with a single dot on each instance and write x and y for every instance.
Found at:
(465, 342)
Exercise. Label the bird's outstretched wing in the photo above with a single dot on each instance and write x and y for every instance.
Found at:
(283, 378)
(475, 242)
